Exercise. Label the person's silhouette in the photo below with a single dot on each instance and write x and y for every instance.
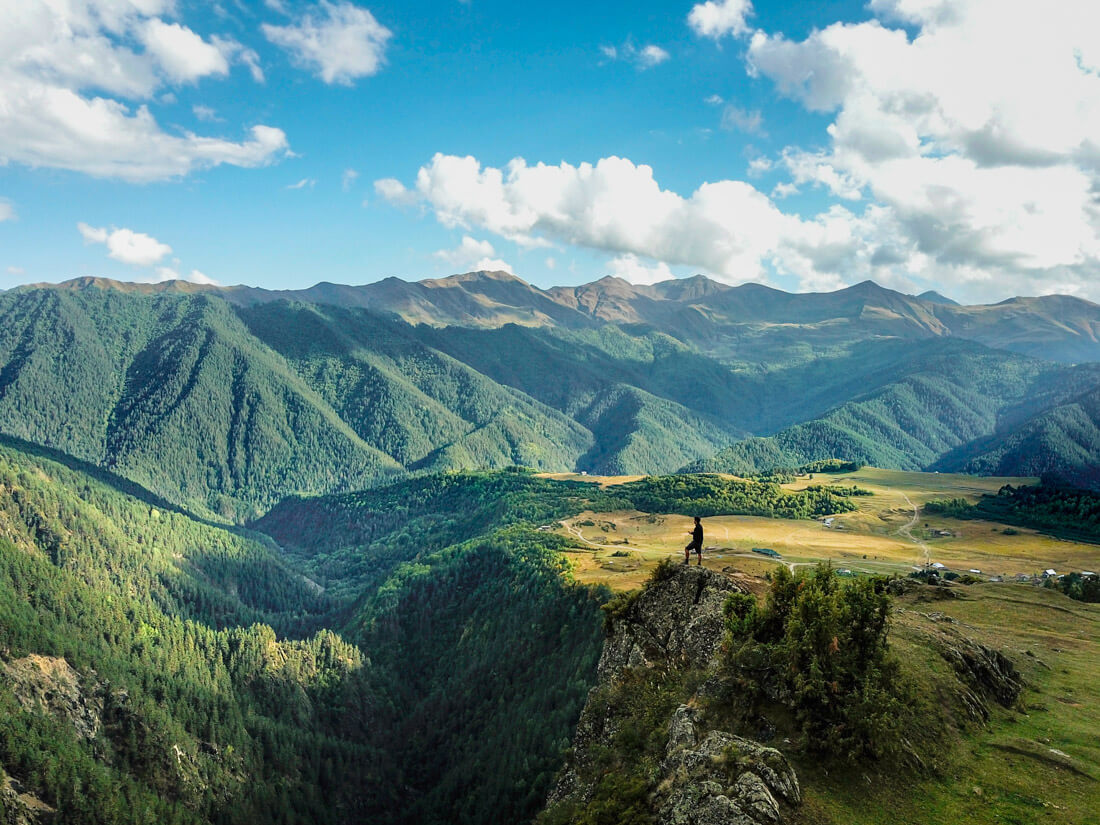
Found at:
(696, 543)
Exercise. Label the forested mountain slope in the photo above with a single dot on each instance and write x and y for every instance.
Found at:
(226, 408)
(171, 392)
(155, 669)
(1061, 443)
(954, 395)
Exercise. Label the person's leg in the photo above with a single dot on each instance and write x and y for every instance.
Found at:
(687, 554)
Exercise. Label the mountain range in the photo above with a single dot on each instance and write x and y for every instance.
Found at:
(228, 399)
(247, 574)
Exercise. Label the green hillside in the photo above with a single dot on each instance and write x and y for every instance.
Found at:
(226, 408)
(954, 395)
(157, 669)
(1061, 443)
(173, 393)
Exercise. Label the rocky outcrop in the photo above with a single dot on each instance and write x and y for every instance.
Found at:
(675, 621)
(47, 684)
(721, 778)
(20, 808)
(705, 776)
(986, 672)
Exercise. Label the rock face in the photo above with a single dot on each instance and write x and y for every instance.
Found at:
(987, 673)
(706, 776)
(675, 621)
(46, 684)
(721, 778)
(19, 808)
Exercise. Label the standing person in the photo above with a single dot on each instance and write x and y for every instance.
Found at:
(696, 542)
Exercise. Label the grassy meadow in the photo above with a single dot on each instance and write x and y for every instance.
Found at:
(1038, 762)
(888, 533)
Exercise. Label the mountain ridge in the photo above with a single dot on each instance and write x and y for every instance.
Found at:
(708, 313)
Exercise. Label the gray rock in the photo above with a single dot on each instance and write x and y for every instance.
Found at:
(755, 798)
(675, 621)
(707, 777)
(47, 684)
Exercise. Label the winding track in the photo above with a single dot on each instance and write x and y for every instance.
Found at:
(907, 530)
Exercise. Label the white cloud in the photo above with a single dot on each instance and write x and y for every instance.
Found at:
(69, 78)
(394, 191)
(125, 245)
(726, 227)
(760, 165)
(16, 270)
(473, 255)
(651, 55)
(737, 119)
(165, 273)
(717, 19)
(7, 211)
(551, 262)
(343, 44)
(985, 180)
(630, 268)
(183, 55)
(989, 174)
(492, 265)
(784, 190)
(304, 183)
(348, 178)
(643, 58)
(205, 113)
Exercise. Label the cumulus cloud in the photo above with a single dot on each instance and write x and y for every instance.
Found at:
(183, 55)
(721, 18)
(125, 245)
(987, 174)
(630, 268)
(474, 255)
(7, 211)
(736, 119)
(935, 173)
(165, 273)
(345, 42)
(348, 178)
(205, 113)
(727, 227)
(74, 90)
(304, 183)
(643, 58)
(394, 191)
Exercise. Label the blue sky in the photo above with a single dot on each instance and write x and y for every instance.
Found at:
(807, 145)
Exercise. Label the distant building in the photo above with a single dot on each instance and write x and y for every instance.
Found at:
(766, 551)
(938, 566)
(1048, 573)
(975, 570)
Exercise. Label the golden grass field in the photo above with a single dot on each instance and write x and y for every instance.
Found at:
(887, 534)
(1035, 763)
